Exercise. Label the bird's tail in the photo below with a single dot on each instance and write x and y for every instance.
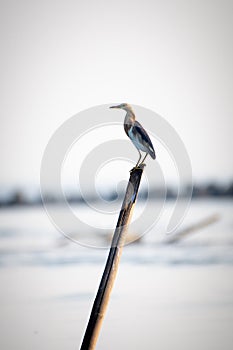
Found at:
(152, 152)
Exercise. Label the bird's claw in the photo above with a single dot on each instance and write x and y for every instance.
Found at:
(139, 166)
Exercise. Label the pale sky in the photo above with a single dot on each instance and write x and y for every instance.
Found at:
(59, 57)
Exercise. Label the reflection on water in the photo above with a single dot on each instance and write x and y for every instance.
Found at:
(28, 238)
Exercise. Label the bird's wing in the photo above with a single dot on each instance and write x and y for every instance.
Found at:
(145, 137)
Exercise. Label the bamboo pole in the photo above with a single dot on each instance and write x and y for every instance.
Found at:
(112, 263)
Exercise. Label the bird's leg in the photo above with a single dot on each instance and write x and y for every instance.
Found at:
(143, 159)
(140, 156)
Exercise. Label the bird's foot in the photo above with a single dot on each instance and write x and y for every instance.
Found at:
(139, 166)
(134, 168)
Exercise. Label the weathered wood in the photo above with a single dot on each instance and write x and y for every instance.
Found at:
(112, 263)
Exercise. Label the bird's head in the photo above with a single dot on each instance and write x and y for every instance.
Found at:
(124, 106)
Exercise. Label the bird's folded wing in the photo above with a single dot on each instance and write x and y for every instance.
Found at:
(145, 137)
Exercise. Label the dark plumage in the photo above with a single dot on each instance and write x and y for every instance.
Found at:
(143, 138)
(136, 133)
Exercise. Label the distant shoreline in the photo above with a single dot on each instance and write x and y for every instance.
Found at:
(211, 190)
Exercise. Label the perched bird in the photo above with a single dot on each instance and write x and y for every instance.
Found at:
(136, 133)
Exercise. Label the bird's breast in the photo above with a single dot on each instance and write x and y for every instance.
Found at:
(127, 127)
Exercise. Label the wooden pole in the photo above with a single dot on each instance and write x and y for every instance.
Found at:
(112, 263)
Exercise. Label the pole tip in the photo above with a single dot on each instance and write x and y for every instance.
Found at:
(139, 167)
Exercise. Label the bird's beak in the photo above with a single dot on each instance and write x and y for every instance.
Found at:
(114, 107)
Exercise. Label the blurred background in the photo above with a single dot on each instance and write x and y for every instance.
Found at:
(59, 58)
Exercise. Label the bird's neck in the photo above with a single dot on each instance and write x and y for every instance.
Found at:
(129, 120)
(130, 117)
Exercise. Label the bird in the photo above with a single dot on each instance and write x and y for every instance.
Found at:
(137, 134)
